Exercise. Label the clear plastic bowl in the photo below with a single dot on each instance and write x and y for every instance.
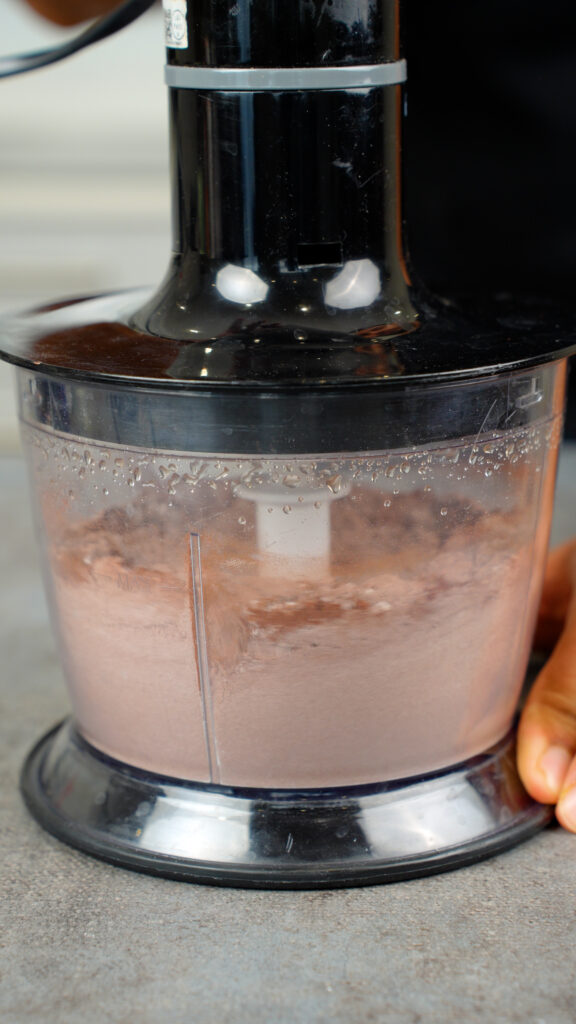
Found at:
(293, 621)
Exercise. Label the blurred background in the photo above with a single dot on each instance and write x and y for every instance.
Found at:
(84, 202)
(491, 167)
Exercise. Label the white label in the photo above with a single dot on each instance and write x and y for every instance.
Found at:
(175, 24)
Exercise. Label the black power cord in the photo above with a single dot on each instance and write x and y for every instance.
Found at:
(117, 19)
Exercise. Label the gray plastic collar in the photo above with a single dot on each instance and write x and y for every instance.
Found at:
(359, 76)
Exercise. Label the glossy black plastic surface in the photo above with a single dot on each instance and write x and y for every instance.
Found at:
(92, 340)
(289, 33)
(288, 269)
(278, 839)
(287, 225)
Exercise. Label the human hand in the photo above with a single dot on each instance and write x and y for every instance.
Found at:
(547, 730)
(70, 12)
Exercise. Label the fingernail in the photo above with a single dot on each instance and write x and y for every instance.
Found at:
(567, 809)
(554, 764)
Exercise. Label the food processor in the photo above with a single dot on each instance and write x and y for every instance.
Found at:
(293, 511)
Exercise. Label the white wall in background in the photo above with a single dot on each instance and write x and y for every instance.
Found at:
(84, 201)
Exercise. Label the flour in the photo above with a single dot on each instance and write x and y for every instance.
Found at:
(406, 655)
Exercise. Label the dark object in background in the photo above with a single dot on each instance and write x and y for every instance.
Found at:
(491, 143)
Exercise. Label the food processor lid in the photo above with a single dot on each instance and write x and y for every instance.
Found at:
(332, 306)
(92, 339)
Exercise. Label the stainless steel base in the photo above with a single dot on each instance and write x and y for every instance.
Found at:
(278, 839)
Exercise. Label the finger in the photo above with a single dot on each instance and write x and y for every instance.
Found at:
(547, 731)
(71, 12)
(557, 591)
(566, 807)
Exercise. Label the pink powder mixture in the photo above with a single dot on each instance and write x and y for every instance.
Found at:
(405, 656)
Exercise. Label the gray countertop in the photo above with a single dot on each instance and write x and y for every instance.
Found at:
(86, 942)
